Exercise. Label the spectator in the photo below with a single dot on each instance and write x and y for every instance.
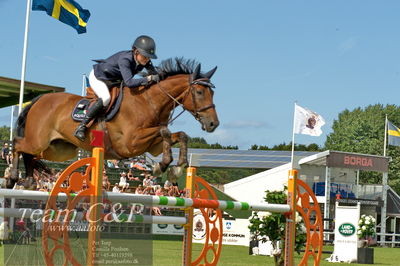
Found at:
(140, 165)
(160, 191)
(116, 188)
(147, 182)
(131, 177)
(106, 183)
(123, 183)
(148, 191)
(5, 153)
(156, 211)
(25, 232)
(139, 190)
(7, 171)
(167, 184)
(3, 232)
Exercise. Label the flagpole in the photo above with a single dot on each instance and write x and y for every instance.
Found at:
(11, 122)
(21, 92)
(294, 121)
(83, 84)
(385, 139)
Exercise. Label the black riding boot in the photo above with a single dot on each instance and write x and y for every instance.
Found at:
(91, 113)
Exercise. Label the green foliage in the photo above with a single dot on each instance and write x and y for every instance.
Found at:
(272, 226)
(288, 147)
(362, 130)
(5, 133)
(201, 143)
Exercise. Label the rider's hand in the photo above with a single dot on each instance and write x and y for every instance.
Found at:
(155, 78)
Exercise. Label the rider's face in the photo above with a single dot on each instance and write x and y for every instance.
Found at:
(143, 60)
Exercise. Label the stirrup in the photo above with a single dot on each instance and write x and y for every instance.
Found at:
(80, 133)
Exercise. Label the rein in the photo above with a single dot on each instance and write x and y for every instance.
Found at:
(195, 113)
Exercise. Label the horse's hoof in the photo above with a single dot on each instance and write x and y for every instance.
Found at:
(28, 184)
(174, 173)
(10, 183)
(157, 169)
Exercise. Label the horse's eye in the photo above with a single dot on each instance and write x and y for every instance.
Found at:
(199, 92)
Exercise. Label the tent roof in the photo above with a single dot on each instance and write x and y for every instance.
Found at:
(9, 91)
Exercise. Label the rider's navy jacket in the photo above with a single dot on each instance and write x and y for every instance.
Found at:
(122, 66)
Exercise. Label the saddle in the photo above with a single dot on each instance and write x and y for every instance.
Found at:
(80, 109)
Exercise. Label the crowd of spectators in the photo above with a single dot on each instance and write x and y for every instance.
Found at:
(135, 176)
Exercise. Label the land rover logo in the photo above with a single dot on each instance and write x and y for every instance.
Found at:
(347, 229)
(162, 226)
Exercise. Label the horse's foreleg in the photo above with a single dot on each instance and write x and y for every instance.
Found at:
(182, 138)
(166, 151)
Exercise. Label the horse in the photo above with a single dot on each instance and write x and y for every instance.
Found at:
(45, 129)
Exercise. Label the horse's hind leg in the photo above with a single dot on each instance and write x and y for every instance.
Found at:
(29, 163)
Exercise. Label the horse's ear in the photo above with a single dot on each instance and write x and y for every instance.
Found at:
(210, 73)
(196, 72)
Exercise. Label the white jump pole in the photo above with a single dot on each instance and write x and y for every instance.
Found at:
(36, 214)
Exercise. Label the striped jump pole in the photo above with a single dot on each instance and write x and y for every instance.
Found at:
(149, 200)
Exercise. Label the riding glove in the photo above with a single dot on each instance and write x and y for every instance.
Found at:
(155, 78)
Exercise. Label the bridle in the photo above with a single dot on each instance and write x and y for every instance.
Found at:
(192, 91)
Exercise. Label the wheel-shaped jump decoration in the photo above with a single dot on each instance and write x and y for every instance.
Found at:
(311, 214)
(211, 250)
(57, 219)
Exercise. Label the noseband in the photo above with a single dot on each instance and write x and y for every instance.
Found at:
(196, 112)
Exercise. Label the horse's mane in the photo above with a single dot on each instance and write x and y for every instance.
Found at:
(175, 66)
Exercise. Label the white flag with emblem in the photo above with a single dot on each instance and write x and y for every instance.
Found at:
(307, 122)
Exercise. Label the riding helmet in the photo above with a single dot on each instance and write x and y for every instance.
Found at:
(146, 46)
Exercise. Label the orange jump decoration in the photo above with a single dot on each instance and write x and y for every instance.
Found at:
(311, 214)
(82, 185)
(198, 189)
(299, 194)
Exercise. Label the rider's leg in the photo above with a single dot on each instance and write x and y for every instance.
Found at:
(101, 90)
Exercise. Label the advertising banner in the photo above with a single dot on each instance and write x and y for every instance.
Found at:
(167, 229)
(235, 232)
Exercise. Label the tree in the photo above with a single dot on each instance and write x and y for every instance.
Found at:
(272, 225)
(362, 130)
(5, 133)
(287, 147)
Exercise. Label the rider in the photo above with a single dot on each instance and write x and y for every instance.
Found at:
(122, 66)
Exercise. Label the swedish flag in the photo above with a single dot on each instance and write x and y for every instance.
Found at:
(66, 11)
(394, 134)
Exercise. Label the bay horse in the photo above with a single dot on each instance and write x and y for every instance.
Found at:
(45, 129)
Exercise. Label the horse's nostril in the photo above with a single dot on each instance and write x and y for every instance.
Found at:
(212, 124)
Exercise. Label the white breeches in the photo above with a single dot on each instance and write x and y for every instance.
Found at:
(100, 88)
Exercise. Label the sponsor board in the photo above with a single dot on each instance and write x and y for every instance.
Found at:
(235, 232)
(346, 239)
(167, 229)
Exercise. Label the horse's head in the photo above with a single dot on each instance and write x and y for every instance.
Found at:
(199, 99)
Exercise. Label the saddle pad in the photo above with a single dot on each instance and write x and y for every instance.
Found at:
(80, 109)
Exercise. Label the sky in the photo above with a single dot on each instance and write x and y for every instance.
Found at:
(326, 55)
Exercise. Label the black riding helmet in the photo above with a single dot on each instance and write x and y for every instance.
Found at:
(146, 46)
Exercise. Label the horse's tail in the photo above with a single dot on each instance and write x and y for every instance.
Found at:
(20, 125)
